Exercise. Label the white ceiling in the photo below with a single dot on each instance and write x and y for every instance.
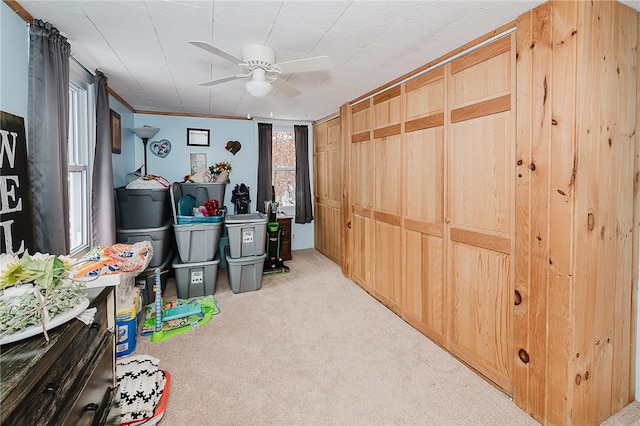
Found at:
(142, 46)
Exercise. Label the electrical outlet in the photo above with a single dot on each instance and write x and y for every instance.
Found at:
(293, 236)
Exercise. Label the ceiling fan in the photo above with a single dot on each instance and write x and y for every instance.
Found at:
(264, 72)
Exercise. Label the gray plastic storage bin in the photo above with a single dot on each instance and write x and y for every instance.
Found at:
(245, 273)
(222, 245)
(195, 279)
(204, 191)
(142, 208)
(197, 242)
(247, 234)
(146, 280)
(161, 240)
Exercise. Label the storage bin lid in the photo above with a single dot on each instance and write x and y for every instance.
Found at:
(243, 261)
(136, 231)
(191, 227)
(246, 218)
(177, 264)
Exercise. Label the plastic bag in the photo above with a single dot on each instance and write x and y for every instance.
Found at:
(148, 182)
(105, 260)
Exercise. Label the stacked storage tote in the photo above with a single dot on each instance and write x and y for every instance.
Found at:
(144, 214)
(197, 238)
(246, 252)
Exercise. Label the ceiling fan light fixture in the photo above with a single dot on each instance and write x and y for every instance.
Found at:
(260, 62)
(258, 88)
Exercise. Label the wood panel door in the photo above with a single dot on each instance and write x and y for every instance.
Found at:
(360, 182)
(577, 210)
(387, 214)
(480, 209)
(423, 293)
(328, 188)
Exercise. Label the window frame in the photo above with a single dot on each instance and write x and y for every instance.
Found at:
(274, 169)
(81, 147)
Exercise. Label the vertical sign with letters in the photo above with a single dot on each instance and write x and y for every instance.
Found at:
(16, 223)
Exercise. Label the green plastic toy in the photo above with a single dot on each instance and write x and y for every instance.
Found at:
(195, 313)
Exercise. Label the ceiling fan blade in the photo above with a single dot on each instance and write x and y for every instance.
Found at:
(223, 79)
(216, 51)
(286, 88)
(317, 63)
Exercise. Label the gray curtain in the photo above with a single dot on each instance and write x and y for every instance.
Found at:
(264, 165)
(102, 208)
(304, 211)
(48, 136)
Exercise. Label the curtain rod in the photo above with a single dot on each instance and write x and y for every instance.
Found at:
(81, 66)
(442, 63)
(281, 122)
(327, 119)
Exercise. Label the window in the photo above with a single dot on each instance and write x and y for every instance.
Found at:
(80, 156)
(283, 151)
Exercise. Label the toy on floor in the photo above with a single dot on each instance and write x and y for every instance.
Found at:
(177, 313)
(177, 317)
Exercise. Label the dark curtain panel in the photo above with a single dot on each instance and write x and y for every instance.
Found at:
(304, 211)
(48, 136)
(102, 208)
(264, 165)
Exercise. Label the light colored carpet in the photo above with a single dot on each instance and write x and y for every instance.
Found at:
(312, 348)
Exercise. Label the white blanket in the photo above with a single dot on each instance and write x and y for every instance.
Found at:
(141, 386)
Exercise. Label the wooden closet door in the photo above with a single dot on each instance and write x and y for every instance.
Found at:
(334, 227)
(423, 295)
(320, 182)
(328, 188)
(480, 209)
(361, 195)
(387, 207)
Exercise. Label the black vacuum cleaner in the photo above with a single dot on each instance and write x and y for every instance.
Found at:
(273, 264)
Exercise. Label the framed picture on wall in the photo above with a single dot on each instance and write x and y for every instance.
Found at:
(116, 136)
(198, 163)
(198, 137)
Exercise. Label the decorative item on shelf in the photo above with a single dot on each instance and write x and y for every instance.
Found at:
(220, 171)
(42, 291)
(34, 291)
(145, 133)
(222, 177)
(201, 177)
(199, 172)
(198, 162)
(161, 148)
(233, 147)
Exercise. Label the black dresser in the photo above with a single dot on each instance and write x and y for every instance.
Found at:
(68, 381)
